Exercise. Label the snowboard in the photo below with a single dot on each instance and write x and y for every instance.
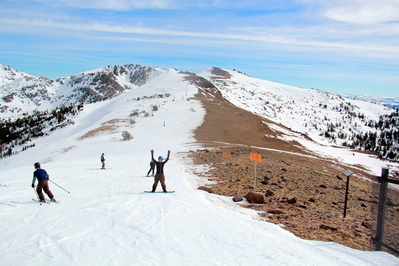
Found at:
(160, 191)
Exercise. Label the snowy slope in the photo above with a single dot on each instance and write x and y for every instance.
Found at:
(106, 219)
(307, 111)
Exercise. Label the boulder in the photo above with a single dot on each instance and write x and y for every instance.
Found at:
(326, 227)
(269, 193)
(237, 198)
(255, 197)
(292, 201)
(207, 189)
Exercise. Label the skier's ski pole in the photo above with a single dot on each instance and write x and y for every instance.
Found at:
(59, 186)
(37, 195)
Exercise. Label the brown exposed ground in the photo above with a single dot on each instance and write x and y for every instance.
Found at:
(304, 192)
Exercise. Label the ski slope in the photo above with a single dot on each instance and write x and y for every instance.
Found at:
(107, 219)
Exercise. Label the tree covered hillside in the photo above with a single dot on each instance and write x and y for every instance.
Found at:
(382, 138)
(16, 133)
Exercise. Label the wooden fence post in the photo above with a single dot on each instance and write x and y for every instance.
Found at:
(379, 235)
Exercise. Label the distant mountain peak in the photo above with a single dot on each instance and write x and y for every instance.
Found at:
(9, 74)
(220, 73)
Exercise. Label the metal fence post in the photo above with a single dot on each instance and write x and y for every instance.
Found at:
(255, 178)
(348, 173)
(381, 209)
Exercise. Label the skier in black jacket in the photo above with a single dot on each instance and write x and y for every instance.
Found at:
(152, 168)
(159, 175)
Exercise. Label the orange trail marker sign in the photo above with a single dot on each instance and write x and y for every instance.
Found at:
(255, 157)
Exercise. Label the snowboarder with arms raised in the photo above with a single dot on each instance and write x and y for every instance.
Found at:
(42, 178)
(159, 175)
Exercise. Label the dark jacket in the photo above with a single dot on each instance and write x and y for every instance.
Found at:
(40, 174)
(159, 164)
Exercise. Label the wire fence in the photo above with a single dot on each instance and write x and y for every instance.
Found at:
(385, 214)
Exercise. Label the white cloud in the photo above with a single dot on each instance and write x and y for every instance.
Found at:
(126, 5)
(252, 30)
(365, 11)
(121, 5)
(257, 35)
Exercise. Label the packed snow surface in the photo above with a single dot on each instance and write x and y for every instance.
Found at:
(107, 219)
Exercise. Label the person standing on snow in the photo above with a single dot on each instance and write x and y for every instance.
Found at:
(159, 175)
(102, 159)
(42, 178)
(152, 168)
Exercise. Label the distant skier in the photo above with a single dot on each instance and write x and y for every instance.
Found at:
(42, 178)
(102, 159)
(159, 176)
(152, 168)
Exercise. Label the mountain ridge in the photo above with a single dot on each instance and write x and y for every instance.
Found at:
(323, 117)
(91, 86)
(21, 92)
(326, 118)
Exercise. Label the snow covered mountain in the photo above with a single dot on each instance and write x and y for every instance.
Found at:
(22, 93)
(106, 219)
(323, 117)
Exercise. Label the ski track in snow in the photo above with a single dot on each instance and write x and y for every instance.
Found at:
(107, 219)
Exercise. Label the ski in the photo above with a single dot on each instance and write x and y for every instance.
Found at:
(146, 191)
(36, 200)
(47, 201)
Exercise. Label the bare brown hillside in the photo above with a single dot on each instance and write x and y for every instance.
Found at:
(305, 193)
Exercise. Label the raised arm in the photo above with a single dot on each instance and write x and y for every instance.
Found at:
(167, 158)
(152, 155)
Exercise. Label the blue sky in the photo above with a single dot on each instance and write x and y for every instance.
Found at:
(340, 46)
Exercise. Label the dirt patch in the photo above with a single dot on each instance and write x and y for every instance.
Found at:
(107, 127)
(225, 122)
(305, 193)
(98, 131)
